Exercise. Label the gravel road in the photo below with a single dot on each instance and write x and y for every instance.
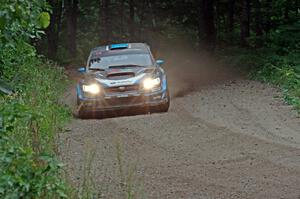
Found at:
(231, 140)
(234, 138)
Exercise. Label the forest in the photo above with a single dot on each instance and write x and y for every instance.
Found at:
(39, 38)
(208, 24)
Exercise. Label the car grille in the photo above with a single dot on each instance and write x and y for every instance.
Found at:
(124, 101)
(121, 89)
(119, 76)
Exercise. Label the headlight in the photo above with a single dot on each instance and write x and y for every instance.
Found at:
(92, 88)
(150, 83)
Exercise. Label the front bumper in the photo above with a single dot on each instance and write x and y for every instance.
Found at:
(119, 101)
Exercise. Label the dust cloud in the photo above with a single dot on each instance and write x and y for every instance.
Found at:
(189, 70)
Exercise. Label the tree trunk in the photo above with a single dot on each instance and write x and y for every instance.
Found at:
(258, 19)
(72, 14)
(153, 15)
(245, 22)
(142, 15)
(122, 8)
(54, 28)
(106, 21)
(218, 22)
(131, 20)
(207, 25)
(268, 23)
(231, 8)
(100, 19)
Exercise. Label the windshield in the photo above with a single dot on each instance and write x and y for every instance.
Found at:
(121, 60)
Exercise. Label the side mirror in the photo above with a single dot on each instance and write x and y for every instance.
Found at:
(82, 69)
(160, 62)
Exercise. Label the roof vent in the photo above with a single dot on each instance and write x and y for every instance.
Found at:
(118, 46)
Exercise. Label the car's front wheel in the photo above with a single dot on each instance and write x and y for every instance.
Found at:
(82, 114)
(163, 108)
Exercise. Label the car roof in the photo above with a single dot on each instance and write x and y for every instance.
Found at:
(123, 48)
(141, 46)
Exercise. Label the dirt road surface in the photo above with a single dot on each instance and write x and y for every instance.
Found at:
(232, 139)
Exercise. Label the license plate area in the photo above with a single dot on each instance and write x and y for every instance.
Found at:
(124, 100)
(122, 96)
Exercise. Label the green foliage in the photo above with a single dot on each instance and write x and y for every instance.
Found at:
(285, 39)
(278, 62)
(20, 19)
(44, 20)
(32, 115)
(281, 66)
(23, 174)
(283, 71)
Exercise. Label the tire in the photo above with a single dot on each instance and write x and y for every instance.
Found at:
(80, 113)
(83, 114)
(163, 108)
(77, 101)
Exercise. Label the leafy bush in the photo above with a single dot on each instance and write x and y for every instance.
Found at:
(281, 66)
(24, 174)
(282, 71)
(278, 62)
(32, 115)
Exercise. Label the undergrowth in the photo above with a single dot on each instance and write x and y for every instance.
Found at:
(31, 118)
(277, 62)
(30, 115)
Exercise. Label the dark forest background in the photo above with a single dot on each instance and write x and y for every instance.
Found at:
(77, 26)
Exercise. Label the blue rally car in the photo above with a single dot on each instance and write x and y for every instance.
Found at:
(122, 76)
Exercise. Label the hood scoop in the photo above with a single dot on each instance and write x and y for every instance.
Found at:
(120, 75)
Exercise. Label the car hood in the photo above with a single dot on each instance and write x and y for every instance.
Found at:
(122, 76)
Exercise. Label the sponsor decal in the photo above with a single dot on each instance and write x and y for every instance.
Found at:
(119, 83)
(122, 88)
(126, 82)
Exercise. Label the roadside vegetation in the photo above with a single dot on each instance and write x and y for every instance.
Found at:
(277, 61)
(31, 115)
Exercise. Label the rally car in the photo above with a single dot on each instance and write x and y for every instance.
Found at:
(122, 76)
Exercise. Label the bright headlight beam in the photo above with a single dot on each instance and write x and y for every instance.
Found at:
(150, 83)
(92, 88)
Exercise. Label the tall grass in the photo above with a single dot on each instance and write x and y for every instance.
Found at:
(32, 117)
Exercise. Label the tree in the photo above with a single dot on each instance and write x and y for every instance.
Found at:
(209, 21)
(122, 15)
(131, 21)
(207, 26)
(104, 20)
(268, 24)
(245, 22)
(54, 28)
(231, 9)
(258, 19)
(71, 15)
